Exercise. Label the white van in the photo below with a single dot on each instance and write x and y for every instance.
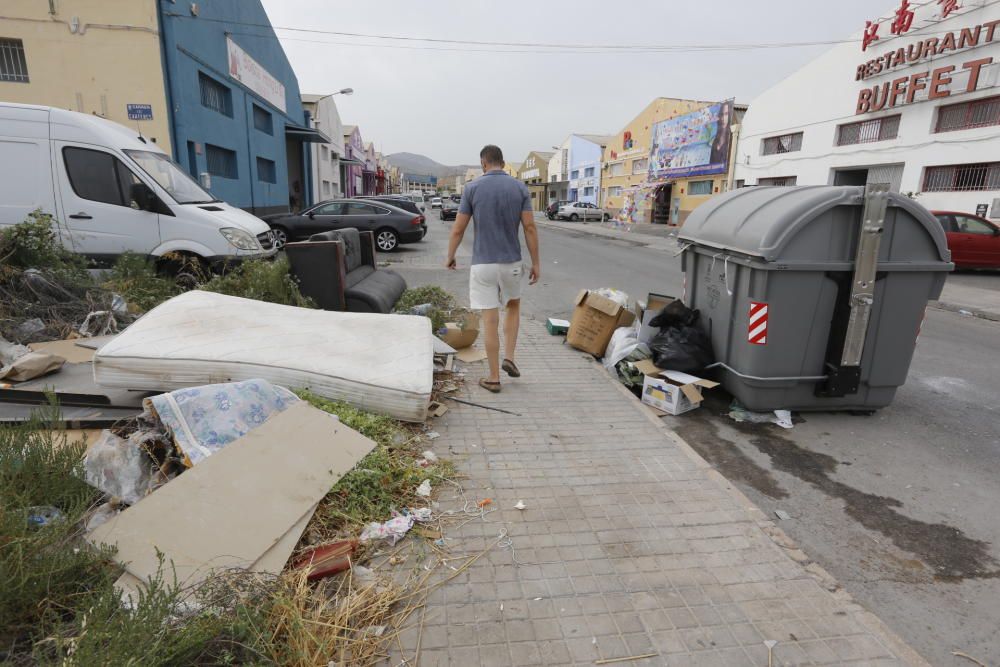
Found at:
(111, 191)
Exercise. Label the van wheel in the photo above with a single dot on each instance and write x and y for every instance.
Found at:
(280, 237)
(387, 240)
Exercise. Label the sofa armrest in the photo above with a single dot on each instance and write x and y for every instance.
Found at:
(368, 248)
(321, 271)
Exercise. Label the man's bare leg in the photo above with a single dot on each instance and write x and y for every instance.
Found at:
(511, 322)
(491, 326)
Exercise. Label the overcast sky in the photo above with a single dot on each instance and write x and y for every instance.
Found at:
(447, 103)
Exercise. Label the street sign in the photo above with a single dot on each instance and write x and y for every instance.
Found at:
(139, 111)
(981, 210)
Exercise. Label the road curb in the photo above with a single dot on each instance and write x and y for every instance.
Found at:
(781, 540)
(968, 311)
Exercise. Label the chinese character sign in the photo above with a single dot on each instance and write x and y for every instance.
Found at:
(947, 7)
(694, 144)
(903, 20)
(870, 35)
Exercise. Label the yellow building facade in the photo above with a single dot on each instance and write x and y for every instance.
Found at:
(92, 56)
(626, 190)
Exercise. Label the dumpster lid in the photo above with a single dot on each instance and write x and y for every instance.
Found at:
(762, 221)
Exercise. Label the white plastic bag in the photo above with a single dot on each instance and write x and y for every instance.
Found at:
(623, 342)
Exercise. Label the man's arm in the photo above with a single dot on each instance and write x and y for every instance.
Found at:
(455, 240)
(531, 240)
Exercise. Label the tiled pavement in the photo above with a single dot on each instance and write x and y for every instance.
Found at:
(630, 544)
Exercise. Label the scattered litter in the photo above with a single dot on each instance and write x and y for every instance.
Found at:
(393, 530)
(501, 606)
(671, 391)
(363, 575)
(421, 514)
(215, 516)
(436, 409)
(470, 355)
(480, 405)
(770, 644)
(30, 366)
(327, 559)
(557, 327)
(462, 333)
(608, 661)
(422, 309)
(424, 490)
(782, 514)
(536, 599)
(432, 435)
(10, 352)
(121, 468)
(520, 505)
(484, 502)
(738, 413)
(966, 313)
(43, 515)
(98, 323)
(29, 328)
(961, 654)
(430, 456)
(100, 515)
(429, 533)
(376, 630)
(67, 349)
(595, 318)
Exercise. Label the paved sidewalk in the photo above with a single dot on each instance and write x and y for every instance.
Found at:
(658, 237)
(630, 544)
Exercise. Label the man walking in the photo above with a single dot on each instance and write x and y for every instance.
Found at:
(497, 204)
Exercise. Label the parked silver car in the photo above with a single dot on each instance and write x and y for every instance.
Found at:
(581, 211)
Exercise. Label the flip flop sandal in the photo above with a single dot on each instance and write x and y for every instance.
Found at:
(509, 368)
(492, 387)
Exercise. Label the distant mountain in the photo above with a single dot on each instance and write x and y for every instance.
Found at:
(421, 164)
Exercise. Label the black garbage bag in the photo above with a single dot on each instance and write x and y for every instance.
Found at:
(687, 349)
(681, 345)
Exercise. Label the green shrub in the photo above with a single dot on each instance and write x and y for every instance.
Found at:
(34, 244)
(442, 303)
(136, 279)
(262, 280)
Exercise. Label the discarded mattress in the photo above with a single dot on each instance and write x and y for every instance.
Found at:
(380, 363)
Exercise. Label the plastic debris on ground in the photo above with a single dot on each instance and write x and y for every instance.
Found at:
(682, 344)
(520, 505)
(424, 490)
(43, 515)
(430, 456)
(30, 366)
(120, 468)
(782, 514)
(738, 413)
(326, 560)
(393, 530)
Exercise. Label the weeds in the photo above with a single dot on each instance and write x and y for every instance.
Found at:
(261, 280)
(442, 303)
(34, 244)
(136, 279)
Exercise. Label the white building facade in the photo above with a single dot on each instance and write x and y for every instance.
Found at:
(325, 158)
(913, 100)
(559, 172)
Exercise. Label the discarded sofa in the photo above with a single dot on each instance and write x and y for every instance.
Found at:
(336, 269)
(380, 363)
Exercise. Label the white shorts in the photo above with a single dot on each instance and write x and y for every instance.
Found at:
(493, 285)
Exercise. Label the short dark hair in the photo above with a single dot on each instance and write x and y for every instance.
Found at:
(491, 154)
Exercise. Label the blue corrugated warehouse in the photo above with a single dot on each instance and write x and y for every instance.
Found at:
(236, 111)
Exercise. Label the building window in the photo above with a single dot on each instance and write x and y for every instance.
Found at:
(640, 166)
(588, 192)
(555, 178)
(700, 188)
(532, 195)
(221, 161)
(13, 66)
(266, 170)
(868, 131)
(783, 181)
(966, 115)
(588, 172)
(740, 183)
(786, 143)
(262, 120)
(617, 169)
(575, 174)
(215, 96)
(326, 188)
(324, 151)
(552, 194)
(615, 191)
(963, 177)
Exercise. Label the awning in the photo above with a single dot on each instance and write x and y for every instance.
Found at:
(351, 160)
(307, 134)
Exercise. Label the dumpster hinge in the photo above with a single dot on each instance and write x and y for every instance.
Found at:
(845, 377)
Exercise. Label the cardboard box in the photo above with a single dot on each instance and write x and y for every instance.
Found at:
(461, 334)
(557, 327)
(654, 304)
(671, 391)
(595, 318)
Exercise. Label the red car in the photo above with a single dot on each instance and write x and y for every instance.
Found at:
(974, 241)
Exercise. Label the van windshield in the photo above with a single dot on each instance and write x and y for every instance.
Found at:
(171, 178)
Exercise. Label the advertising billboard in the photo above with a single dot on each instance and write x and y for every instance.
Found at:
(695, 144)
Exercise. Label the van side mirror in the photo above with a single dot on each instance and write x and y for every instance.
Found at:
(144, 197)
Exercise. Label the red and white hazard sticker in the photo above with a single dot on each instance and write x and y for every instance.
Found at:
(757, 326)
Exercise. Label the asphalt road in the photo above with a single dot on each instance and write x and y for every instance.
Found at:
(900, 507)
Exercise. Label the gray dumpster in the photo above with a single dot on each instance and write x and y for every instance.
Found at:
(813, 296)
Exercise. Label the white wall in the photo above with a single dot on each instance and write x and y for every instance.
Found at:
(326, 164)
(824, 94)
(559, 162)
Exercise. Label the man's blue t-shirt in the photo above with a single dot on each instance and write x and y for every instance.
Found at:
(495, 201)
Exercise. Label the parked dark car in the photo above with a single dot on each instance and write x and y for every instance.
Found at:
(552, 210)
(400, 201)
(974, 241)
(449, 208)
(392, 225)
